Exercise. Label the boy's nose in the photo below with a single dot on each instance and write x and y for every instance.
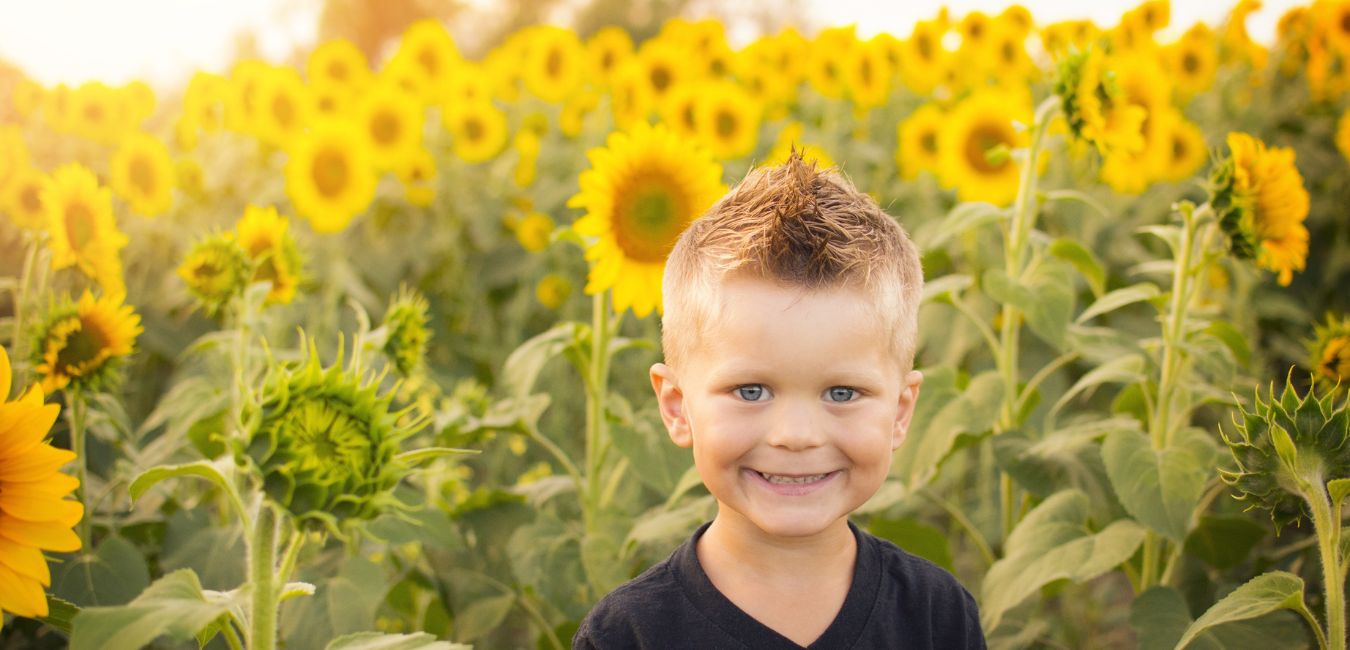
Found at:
(795, 428)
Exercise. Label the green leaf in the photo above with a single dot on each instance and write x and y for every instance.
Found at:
(112, 575)
(1159, 617)
(173, 606)
(523, 365)
(952, 283)
(1005, 290)
(656, 461)
(963, 217)
(1337, 489)
(1121, 370)
(660, 525)
(60, 613)
(1068, 457)
(1160, 488)
(380, 641)
(1053, 543)
(915, 537)
(938, 423)
(1082, 259)
(1117, 299)
(483, 616)
(1261, 595)
(1052, 308)
(354, 595)
(1231, 337)
(1171, 235)
(598, 555)
(419, 456)
(1075, 195)
(1224, 542)
(200, 469)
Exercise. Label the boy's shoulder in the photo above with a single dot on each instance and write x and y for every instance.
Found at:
(915, 578)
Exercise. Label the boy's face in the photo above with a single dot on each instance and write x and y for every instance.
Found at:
(792, 403)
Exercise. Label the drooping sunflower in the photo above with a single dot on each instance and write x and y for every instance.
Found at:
(79, 345)
(555, 63)
(1259, 196)
(1329, 352)
(406, 331)
(285, 107)
(143, 174)
(1094, 106)
(265, 237)
(216, 271)
(967, 143)
(918, 137)
(418, 175)
(478, 129)
(338, 63)
(607, 49)
(22, 199)
(642, 190)
(330, 176)
(727, 120)
(392, 120)
(80, 221)
(35, 516)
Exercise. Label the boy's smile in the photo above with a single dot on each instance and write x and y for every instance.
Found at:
(792, 402)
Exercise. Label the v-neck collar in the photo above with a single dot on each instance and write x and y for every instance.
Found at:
(843, 631)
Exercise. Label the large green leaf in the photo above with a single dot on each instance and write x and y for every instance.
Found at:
(598, 555)
(112, 575)
(1224, 542)
(193, 539)
(1067, 457)
(915, 537)
(173, 606)
(1159, 487)
(963, 217)
(1262, 595)
(1053, 543)
(216, 472)
(526, 361)
(641, 438)
(1117, 299)
(932, 437)
(1083, 259)
(60, 613)
(379, 641)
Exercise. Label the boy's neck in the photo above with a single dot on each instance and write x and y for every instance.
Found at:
(734, 545)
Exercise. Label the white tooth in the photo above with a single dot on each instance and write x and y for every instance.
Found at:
(774, 478)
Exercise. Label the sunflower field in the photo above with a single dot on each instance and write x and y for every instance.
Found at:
(352, 352)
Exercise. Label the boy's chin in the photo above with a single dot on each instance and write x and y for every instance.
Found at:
(789, 525)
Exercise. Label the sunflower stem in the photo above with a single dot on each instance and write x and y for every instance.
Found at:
(1328, 527)
(21, 299)
(263, 579)
(595, 408)
(75, 415)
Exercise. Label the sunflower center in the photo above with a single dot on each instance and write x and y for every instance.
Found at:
(328, 441)
(1179, 149)
(928, 141)
(142, 175)
(30, 198)
(93, 113)
(1190, 63)
(385, 128)
(727, 124)
(660, 77)
(1009, 53)
(606, 60)
(649, 216)
(429, 62)
(554, 63)
(330, 172)
(687, 116)
(1345, 22)
(80, 228)
(924, 45)
(82, 347)
(978, 143)
(473, 129)
(283, 109)
(866, 72)
(337, 71)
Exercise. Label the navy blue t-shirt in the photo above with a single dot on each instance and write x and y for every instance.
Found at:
(896, 600)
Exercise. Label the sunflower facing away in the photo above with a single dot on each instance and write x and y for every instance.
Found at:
(143, 174)
(216, 271)
(35, 516)
(641, 191)
(78, 345)
(1259, 196)
(330, 176)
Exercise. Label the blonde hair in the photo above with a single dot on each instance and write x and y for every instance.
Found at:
(799, 226)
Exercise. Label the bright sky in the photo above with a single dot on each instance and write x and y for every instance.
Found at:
(164, 40)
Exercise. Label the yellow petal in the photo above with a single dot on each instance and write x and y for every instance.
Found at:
(25, 561)
(57, 485)
(25, 423)
(20, 595)
(4, 374)
(35, 464)
(40, 509)
(47, 536)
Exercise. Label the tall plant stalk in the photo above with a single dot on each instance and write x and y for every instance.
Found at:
(262, 551)
(76, 414)
(597, 386)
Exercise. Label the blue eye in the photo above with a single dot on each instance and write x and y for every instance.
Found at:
(750, 392)
(842, 393)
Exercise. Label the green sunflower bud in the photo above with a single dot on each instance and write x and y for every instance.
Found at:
(406, 333)
(1287, 450)
(325, 443)
(216, 271)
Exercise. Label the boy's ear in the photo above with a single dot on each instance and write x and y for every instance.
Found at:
(904, 412)
(670, 399)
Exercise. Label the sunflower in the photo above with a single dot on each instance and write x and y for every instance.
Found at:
(631, 98)
(406, 332)
(1059, 38)
(679, 110)
(867, 77)
(533, 231)
(14, 156)
(35, 516)
(1150, 16)
(243, 97)
(338, 63)
(830, 54)
(526, 146)
(265, 237)
(428, 50)
(58, 106)
(79, 345)
(191, 178)
(1131, 172)
(972, 131)
(285, 107)
(392, 121)
(330, 176)
(80, 221)
(1193, 60)
(95, 112)
(607, 49)
(22, 199)
(27, 97)
(140, 102)
(1343, 134)
(918, 136)
(1259, 196)
(923, 59)
(790, 139)
(1005, 58)
(1187, 152)
(1017, 17)
(205, 99)
(418, 175)
(555, 63)
(216, 271)
(572, 118)
(663, 65)
(1329, 352)
(643, 188)
(143, 174)
(552, 290)
(1094, 107)
(1334, 18)
(471, 83)
(478, 129)
(727, 120)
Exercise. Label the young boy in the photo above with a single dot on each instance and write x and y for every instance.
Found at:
(789, 331)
